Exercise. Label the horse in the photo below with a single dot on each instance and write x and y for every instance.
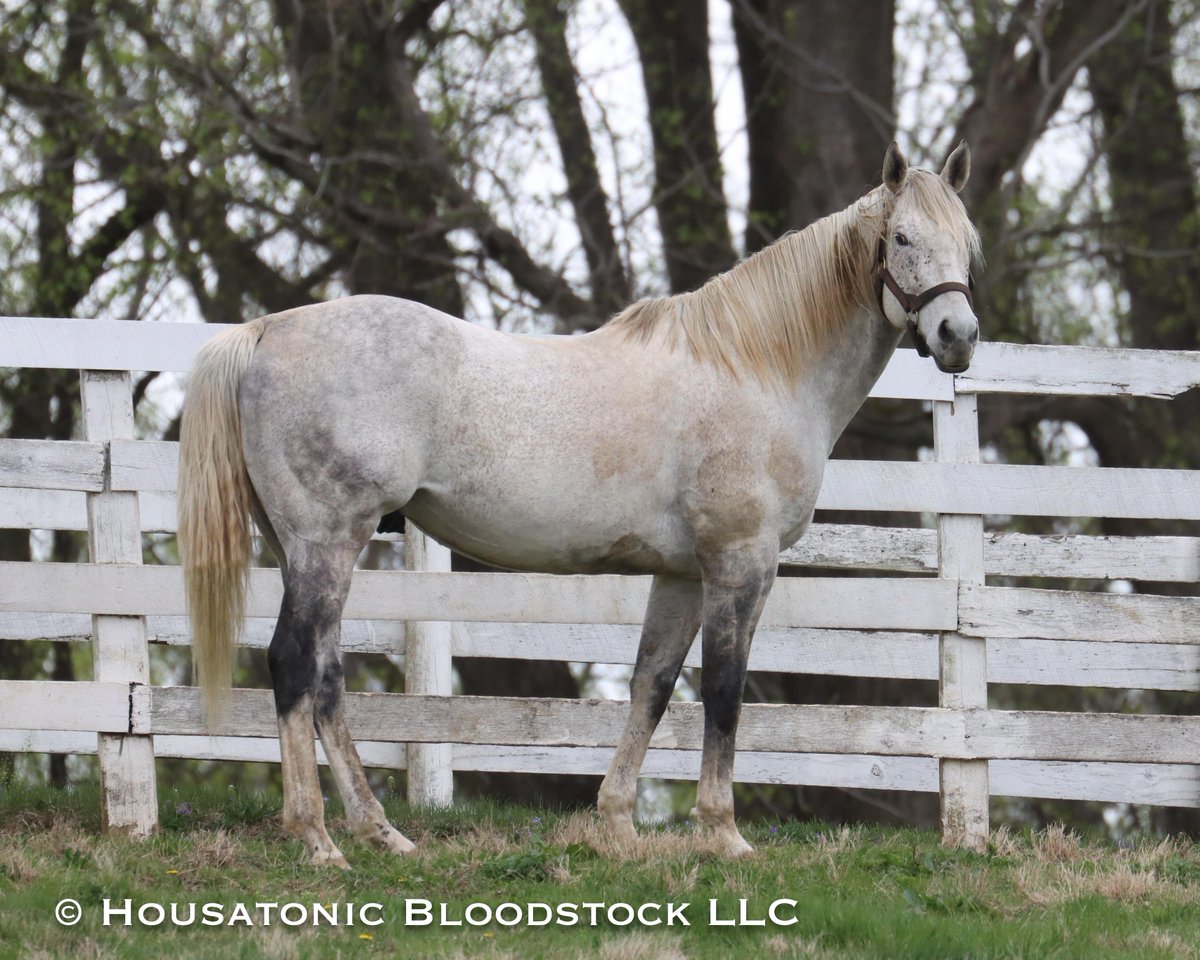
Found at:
(684, 439)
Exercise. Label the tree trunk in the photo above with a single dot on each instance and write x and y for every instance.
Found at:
(817, 79)
(1153, 242)
(689, 195)
(339, 57)
(547, 21)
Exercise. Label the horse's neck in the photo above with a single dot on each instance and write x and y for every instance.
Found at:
(853, 361)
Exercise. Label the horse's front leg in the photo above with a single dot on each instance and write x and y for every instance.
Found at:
(672, 619)
(735, 589)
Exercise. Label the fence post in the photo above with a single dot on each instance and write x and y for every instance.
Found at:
(427, 669)
(962, 669)
(128, 786)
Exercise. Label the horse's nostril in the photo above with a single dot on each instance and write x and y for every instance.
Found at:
(944, 333)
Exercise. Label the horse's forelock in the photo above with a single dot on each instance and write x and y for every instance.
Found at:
(934, 198)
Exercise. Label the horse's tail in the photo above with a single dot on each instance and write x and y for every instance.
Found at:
(215, 499)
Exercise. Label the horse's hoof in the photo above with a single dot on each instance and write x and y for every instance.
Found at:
(396, 842)
(329, 858)
(621, 832)
(739, 850)
(729, 845)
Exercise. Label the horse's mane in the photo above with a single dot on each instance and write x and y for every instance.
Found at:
(774, 310)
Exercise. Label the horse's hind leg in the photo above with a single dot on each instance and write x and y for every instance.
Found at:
(735, 589)
(363, 810)
(672, 618)
(307, 673)
(311, 609)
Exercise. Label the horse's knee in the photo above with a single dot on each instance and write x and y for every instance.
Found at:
(658, 688)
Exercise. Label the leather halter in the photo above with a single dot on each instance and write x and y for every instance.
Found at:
(911, 303)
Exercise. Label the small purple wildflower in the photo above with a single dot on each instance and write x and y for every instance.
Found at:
(183, 809)
(774, 828)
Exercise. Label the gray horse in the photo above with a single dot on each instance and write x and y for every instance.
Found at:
(685, 439)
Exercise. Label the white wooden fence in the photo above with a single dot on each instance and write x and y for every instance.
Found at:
(944, 621)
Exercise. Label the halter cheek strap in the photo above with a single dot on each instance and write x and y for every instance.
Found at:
(911, 303)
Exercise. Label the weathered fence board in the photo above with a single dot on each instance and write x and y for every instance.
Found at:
(52, 464)
(1072, 615)
(1075, 663)
(1095, 371)
(853, 653)
(889, 731)
(29, 509)
(1141, 783)
(52, 343)
(428, 669)
(65, 705)
(883, 604)
(128, 785)
(145, 465)
(962, 660)
(857, 547)
(1016, 489)
(1169, 559)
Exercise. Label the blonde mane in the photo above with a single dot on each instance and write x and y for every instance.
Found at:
(773, 311)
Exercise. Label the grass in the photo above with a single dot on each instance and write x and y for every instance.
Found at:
(860, 892)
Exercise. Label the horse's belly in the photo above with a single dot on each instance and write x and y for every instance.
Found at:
(510, 535)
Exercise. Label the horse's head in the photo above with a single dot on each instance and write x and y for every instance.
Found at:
(924, 259)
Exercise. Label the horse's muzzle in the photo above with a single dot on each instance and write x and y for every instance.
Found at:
(953, 351)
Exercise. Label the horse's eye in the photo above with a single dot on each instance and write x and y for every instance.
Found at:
(901, 240)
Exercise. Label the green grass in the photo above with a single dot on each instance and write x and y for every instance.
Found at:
(861, 892)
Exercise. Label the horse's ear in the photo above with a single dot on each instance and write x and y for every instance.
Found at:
(895, 167)
(958, 167)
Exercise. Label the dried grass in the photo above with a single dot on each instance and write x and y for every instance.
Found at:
(641, 946)
(652, 847)
(277, 943)
(1056, 844)
(780, 945)
(17, 865)
(1049, 884)
(1004, 843)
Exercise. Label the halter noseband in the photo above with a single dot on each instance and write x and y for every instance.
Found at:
(910, 303)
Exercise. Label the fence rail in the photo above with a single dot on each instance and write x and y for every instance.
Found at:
(944, 618)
